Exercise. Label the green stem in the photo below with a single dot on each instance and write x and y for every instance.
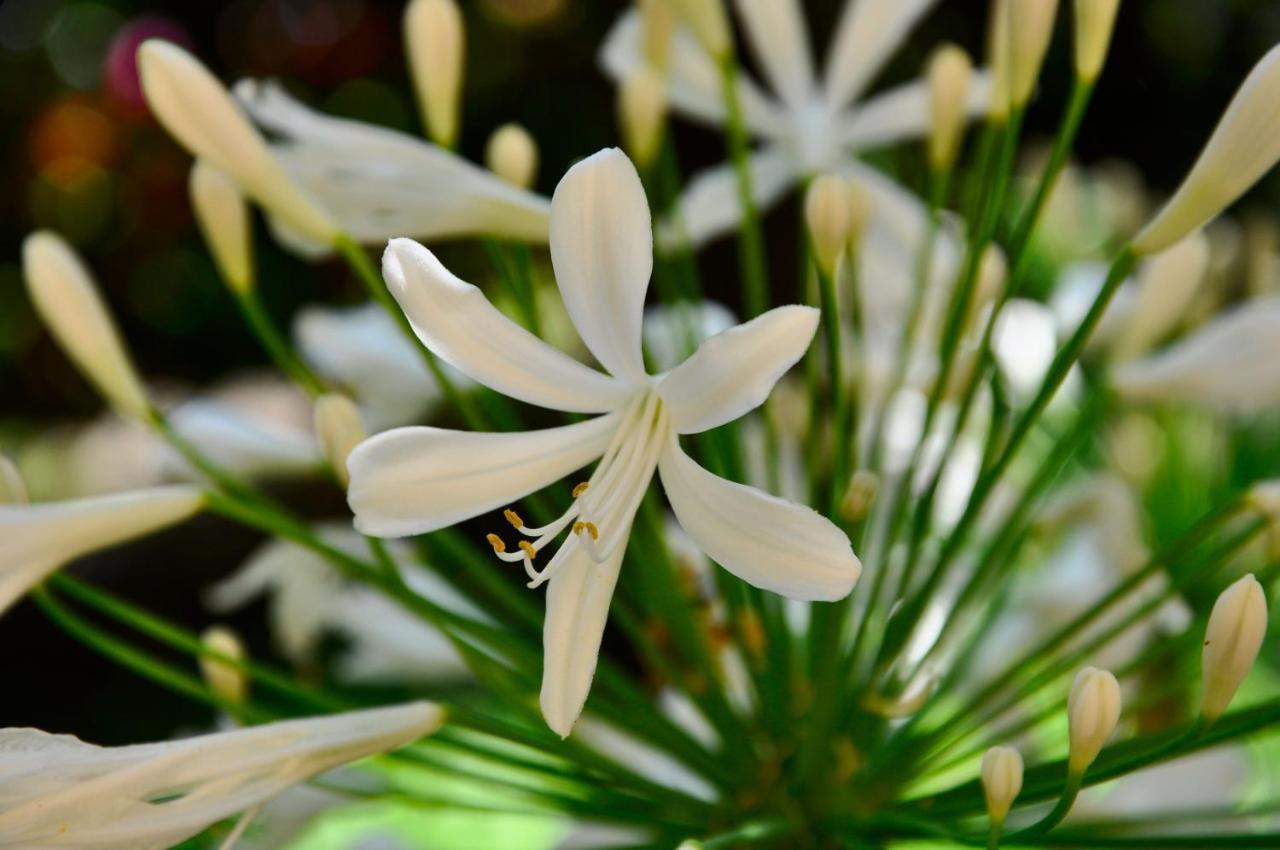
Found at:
(280, 352)
(751, 253)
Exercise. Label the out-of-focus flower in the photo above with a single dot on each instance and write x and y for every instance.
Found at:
(1030, 28)
(36, 539)
(244, 442)
(811, 127)
(1237, 625)
(226, 680)
(223, 217)
(339, 428)
(1166, 285)
(826, 215)
(1001, 780)
(61, 792)
(435, 43)
(601, 246)
(1095, 21)
(512, 154)
(950, 74)
(642, 112)
(1093, 710)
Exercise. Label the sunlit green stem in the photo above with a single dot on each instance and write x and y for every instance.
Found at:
(751, 255)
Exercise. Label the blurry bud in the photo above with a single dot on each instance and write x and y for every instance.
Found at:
(659, 19)
(1262, 253)
(1264, 497)
(223, 217)
(12, 488)
(1001, 780)
(1167, 283)
(642, 107)
(998, 60)
(1095, 20)
(1243, 147)
(993, 271)
(227, 681)
(907, 703)
(202, 116)
(858, 496)
(512, 154)
(1232, 639)
(1093, 710)
(707, 20)
(826, 214)
(690, 844)
(859, 214)
(339, 429)
(950, 74)
(1030, 28)
(1135, 446)
(67, 300)
(435, 42)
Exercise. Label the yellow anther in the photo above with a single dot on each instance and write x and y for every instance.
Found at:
(580, 489)
(578, 526)
(591, 527)
(496, 542)
(513, 518)
(528, 549)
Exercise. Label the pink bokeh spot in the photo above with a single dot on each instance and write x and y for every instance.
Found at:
(120, 74)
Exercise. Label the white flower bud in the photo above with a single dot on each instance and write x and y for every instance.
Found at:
(826, 214)
(1237, 625)
(860, 209)
(68, 301)
(203, 117)
(223, 217)
(436, 43)
(950, 75)
(1095, 20)
(339, 429)
(706, 18)
(1167, 283)
(227, 681)
(858, 496)
(512, 154)
(993, 271)
(1243, 147)
(642, 107)
(1264, 497)
(1093, 710)
(1001, 780)
(998, 58)
(1030, 28)
(12, 488)
(659, 20)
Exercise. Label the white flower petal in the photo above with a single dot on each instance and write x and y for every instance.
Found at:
(36, 539)
(415, 480)
(237, 441)
(766, 541)
(381, 184)
(868, 33)
(57, 791)
(457, 322)
(709, 206)
(780, 41)
(904, 113)
(602, 252)
(734, 371)
(578, 599)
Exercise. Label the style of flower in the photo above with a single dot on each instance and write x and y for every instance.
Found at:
(811, 126)
(415, 480)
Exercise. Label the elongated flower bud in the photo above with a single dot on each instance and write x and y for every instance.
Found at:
(706, 18)
(642, 109)
(1093, 710)
(1030, 28)
(12, 488)
(1001, 780)
(1166, 285)
(67, 300)
(203, 117)
(339, 429)
(1232, 639)
(436, 43)
(659, 19)
(1264, 497)
(1095, 21)
(225, 680)
(858, 496)
(998, 58)
(223, 217)
(950, 74)
(826, 213)
(860, 210)
(1243, 147)
(512, 154)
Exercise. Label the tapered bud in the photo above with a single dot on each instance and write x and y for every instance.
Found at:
(223, 217)
(706, 18)
(1264, 497)
(436, 43)
(68, 301)
(1093, 710)
(512, 154)
(1166, 285)
(993, 271)
(339, 429)
(858, 496)
(998, 59)
(826, 213)
(1030, 28)
(860, 210)
(642, 109)
(1232, 639)
(13, 489)
(659, 21)
(202, 116)
(1243, 147)
(227, 681)
(950, 75)
(1095, 21)
(1001, 780)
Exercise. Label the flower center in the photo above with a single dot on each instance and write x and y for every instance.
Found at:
(813, 136)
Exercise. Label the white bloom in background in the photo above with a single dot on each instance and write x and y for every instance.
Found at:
(672, 331)
(415, 480)
(36, 539)
(57, 791)
(241, 440)
(811, 126)
(1166, 285)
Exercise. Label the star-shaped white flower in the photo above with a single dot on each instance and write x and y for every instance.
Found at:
(812, 125)
(416, 480)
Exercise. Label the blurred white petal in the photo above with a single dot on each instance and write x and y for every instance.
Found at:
(903, 113)
(709, 206)
(867, 35)
(673, 331)
(240, 442)
(779, 40)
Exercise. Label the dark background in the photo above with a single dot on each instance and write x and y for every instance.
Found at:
(78, 154)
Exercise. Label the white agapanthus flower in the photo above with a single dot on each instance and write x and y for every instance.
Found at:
(416, 480)
(243, 441)
(57, 791)
(813, 125)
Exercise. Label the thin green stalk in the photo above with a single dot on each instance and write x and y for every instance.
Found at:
(279, 350)
(751, 255)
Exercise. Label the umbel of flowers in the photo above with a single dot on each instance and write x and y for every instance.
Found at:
(1030, 636)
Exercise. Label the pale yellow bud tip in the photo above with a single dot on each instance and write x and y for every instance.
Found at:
(827, 215)
(1095, 20)
(512, 154)
(950, 75)
(339, 429)
(1001, 780)
(223, 216)
(642, 107)
(223, 678)
(1093, 710)
(858, 496)
(707, 20)
(1232, 639)
(436, 43)
(1030, 29)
